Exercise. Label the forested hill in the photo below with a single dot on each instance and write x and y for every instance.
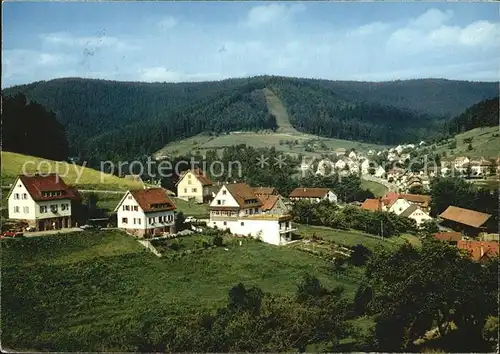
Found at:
(109, 119)
(482, 114)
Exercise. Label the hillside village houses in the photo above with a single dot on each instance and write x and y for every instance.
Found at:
(238, 209)
(44, 202)
(194, 184)
(314, 195)
(146, 212)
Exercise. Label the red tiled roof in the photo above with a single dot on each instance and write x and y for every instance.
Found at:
(465, 216)
(268, 201)
(304, 192)
(391, 196)
(38, 184)
(153, 199)
(479, 249)
(265, 190)
(244, 195)
(448, 236)
(372, 204)
(200, 175)
(417, 198)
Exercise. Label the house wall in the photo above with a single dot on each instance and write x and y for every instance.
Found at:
(399, 206)
(190, 187)
(267, 230)
(419, 216)
(224, 198)
(33, 211)
(24, 201)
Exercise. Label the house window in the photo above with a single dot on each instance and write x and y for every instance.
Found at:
(185, 190)
(242, 223)
(224, 192)
(126, 207)
(124, 220)
(195, 190)
(218, 202)
(16, 196)
(256, 210)
(129, 197)
(43, 209)
(26, 210)
(16, 209)
(189, 181)
(136, 208)
(225, 223)
(63, 206)
(25, 196)
(53, 208)
(139, 221)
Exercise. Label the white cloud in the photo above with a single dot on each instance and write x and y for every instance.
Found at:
(100, 41)
(432, 18)
(370, 29)
(162, 74)
(168, 22)
(272, 13)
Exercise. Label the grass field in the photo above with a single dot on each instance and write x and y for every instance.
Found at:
(58, 286)
(12, 165)
(278, 139)
(351, 237)
(484, 144)
(376, 188)
(191, 208)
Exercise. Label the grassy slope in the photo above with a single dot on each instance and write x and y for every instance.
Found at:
(376, 188)
(352, 238)
(52, 286)
(12, 165)
(263, 139)
(483, 144)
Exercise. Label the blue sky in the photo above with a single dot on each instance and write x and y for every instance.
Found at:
(184, 41)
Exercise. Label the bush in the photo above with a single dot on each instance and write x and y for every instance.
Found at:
(218, 241)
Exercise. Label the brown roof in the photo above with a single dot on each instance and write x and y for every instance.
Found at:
(244, 195)
(408, 211)
(479, 249)
(265, 190)
(372, 204)
(448, 236)
(153, 199)
(268, 201)
(38, 184)
(417, 198)
(305, 192)
(200, 175)
(465, 216)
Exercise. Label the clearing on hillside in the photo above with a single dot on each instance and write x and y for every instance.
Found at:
(13, 164)
(485, 142)
(276, 107)
(286, 139)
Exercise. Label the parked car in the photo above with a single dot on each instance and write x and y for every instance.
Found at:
(89, 227)
(12, 234)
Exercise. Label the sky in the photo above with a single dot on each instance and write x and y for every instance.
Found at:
(200, 41)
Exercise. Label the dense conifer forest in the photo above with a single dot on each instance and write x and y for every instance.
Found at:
(117, 120)
(482, 114)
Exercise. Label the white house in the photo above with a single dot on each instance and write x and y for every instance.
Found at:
(146, 212)
(399, 149)
(44, 202)
(460, 163)
(365, 166)
(414, 212)
(236, 208)
(195, 184)
(380, 172)
(340, 164)
(314, 195)
(399, 205)
(352, 155)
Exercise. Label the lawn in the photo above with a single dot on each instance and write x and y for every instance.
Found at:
(12, 166)
(376, 188)
(350, 238)
(88, 284)
(189, 208)
(485, 143)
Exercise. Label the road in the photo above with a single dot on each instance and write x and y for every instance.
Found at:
(390, 186)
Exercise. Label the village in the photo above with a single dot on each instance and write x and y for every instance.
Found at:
(44, 203)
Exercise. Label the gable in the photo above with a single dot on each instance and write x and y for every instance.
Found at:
(225, 197)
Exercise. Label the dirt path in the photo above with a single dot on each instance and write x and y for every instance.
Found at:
(277, 108)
